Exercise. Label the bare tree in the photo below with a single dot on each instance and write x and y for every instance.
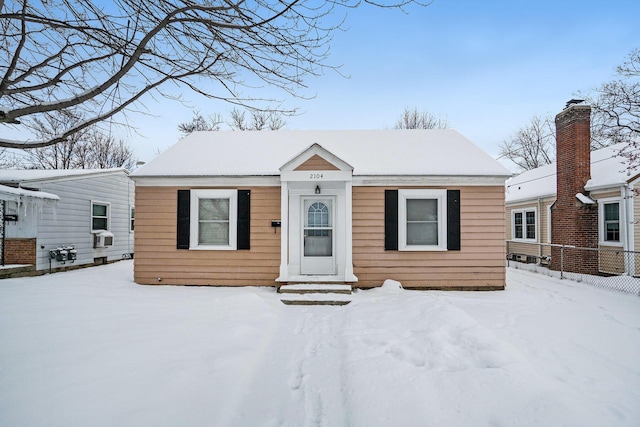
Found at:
(414, 119)
(258, 120)
(107, 152)
(237, 119)
(200, 123)
(531, 146)
(8, 160)
(87, 149)
(61, 155)
(534, 145)
(617, 103)
(100, 60)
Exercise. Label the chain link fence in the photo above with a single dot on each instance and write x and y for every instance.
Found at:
(609, 268)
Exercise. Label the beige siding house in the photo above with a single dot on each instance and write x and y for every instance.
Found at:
(599, 186)
(424, 207)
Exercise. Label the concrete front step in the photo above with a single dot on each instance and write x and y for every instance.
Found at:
(315, 294)
(315, 288)
(315, 299)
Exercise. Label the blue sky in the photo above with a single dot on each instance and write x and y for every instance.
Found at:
(485, 66)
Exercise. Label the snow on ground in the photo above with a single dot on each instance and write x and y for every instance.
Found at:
(90, 347)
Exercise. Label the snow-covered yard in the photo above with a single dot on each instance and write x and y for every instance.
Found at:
(91, 348)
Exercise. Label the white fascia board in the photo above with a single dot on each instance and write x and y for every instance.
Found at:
(207, 181)
(529, 202)
(316, 176)
(448, 181)
(308, 176)
(76, 176)
(604, 188)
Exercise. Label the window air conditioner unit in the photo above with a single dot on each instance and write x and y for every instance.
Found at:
(103, 239)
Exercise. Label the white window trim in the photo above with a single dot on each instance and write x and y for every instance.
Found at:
(108, 205)
(132, 218)
(196, 195)
(524, 224)
(601, 230)
(441, 197)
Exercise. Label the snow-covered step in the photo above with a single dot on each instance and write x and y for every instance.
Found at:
(315, 299)
(315, 288)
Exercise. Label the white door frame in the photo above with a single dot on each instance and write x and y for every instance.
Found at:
(299, 183)
(318, 265)
(292, 194)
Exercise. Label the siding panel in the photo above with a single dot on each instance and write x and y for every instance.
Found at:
(69, 222)
(479, 264)
(157, 256)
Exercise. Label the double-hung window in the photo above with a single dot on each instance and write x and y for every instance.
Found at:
(99, 216)
(524, 224)
(422, 220)
(213, 219)
(610, 222)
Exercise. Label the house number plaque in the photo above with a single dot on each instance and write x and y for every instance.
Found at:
(314, 176)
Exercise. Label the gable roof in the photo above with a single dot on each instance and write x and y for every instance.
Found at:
(608, 169)
(17, 176)
(316, 151)
(370, 152)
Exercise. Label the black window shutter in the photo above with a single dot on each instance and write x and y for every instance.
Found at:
(453, 220)
(391, 220)
(244, 216)
(184, 210)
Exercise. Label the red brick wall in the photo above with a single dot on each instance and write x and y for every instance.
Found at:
(19, 251)
(574, 223)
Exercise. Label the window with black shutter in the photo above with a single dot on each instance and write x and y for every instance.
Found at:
(422, 220)
(213, 219)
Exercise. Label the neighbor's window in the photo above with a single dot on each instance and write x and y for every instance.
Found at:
(99, 216)
(213, 219)
(132, 215)
(422, 220)
(524, 224)
(611, 222)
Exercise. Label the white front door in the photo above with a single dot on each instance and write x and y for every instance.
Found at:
(318, 237)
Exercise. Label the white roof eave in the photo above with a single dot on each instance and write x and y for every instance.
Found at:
(530, 198)
(17, 194)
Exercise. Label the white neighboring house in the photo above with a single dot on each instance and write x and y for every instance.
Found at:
(51, 217)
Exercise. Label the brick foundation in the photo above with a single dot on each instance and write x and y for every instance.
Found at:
(19, 251)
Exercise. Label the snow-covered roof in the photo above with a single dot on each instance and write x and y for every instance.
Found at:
(608, 169)
(30, 175)
(17, 194)
(370, 152)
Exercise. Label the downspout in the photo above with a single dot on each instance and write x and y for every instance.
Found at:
(539, 228)
(130, 203)
(628, 244)
(3, 230)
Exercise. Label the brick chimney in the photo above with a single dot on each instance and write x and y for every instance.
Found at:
(573, 222)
